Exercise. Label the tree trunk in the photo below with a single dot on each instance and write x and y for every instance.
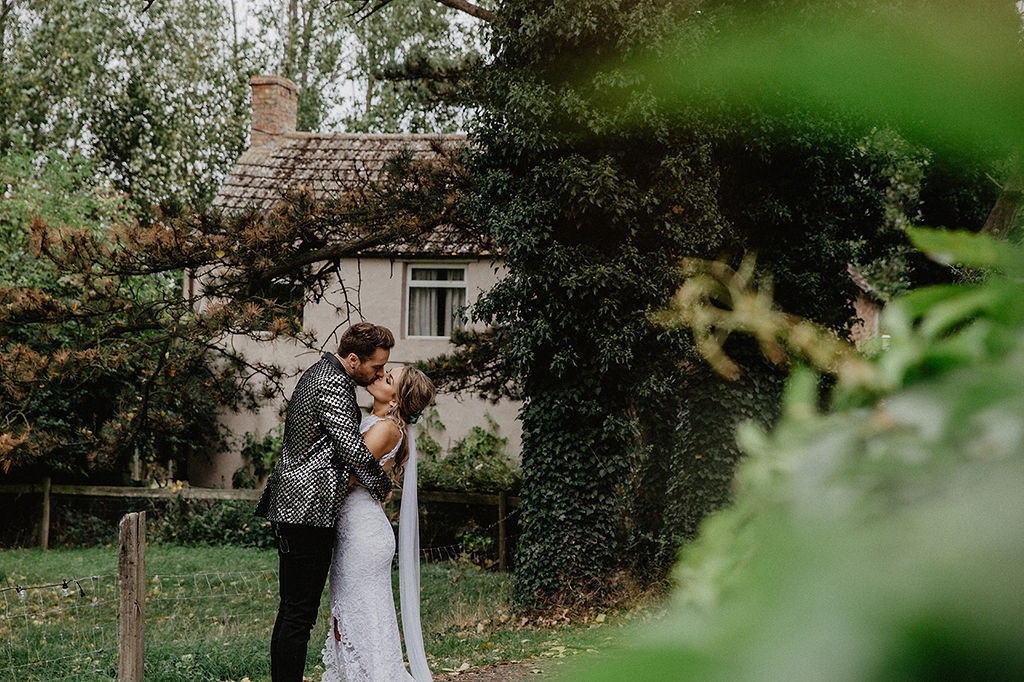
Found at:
(291, 39)
(5, 9)
(307, 37)
(470, 9)
(234, 31)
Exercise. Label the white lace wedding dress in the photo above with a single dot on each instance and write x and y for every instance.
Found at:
(367, 647)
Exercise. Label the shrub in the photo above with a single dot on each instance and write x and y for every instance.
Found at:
(78, 526)
(204, 523)
(882, 540)
(261, 457)
(477, 463)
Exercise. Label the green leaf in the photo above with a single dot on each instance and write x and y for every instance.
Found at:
(955, 247)
(801, 396)
(961, 308)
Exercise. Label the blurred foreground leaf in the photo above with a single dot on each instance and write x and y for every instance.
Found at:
(948, 74)
(965, 248)
(877, 542)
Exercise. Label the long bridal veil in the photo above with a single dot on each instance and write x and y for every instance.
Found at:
(409, 568)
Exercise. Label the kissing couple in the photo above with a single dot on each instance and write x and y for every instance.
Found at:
(325, 499)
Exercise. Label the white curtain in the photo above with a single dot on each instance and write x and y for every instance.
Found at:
(432, 311)
(453, 300)
(422, 303)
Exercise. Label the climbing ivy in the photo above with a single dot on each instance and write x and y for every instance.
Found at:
(596, 190)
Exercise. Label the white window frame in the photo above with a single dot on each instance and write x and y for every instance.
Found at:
(410, 284)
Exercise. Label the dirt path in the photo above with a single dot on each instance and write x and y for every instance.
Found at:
(534, 669)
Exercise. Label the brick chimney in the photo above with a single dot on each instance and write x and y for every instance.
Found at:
(274, 109)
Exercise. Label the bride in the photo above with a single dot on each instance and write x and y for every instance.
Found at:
(363, 642)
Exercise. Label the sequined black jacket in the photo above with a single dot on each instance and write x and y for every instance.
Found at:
(322, 446)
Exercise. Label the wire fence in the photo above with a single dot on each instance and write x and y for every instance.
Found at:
(60, 630)
(69, 629)
(201, 625)
(214, 606)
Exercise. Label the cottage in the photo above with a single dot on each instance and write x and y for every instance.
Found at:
(414, 291)
(868, 308)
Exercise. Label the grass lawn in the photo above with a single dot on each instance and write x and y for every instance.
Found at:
(209, 612)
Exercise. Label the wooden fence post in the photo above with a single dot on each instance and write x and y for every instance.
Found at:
(502, 533)
(44, 522)
(131, 577)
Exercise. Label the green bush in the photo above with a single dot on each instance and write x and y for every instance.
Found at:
(93, 521)
(261, 457)
(478, 463)
(78, 527)
(207, 523)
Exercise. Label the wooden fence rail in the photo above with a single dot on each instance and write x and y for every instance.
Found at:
(503, 501)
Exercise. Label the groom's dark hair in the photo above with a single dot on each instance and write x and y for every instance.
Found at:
(364, 338)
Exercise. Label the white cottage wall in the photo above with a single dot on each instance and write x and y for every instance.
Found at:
(375, 290)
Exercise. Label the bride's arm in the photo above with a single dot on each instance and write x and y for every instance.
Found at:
(380, 439)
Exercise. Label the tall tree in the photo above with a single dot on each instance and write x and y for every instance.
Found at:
(156, 97)
(412, 59)
(599, 181)
(365, 68)
(594, 205)
(84, 360)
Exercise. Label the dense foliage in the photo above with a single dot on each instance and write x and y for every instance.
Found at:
(153, 96)
(477, 463)
(71, 407)
(872, 541)
(204, 523)
(367, 67)
(106, 110)
(259, 458)
(599, 182)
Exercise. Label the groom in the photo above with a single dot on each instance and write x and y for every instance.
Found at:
(322, 446)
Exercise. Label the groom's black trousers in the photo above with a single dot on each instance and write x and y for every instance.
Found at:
(305, 555)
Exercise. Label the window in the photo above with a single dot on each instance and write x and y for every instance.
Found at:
(436, 293)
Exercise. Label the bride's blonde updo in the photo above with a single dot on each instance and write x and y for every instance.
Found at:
(413, 394)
